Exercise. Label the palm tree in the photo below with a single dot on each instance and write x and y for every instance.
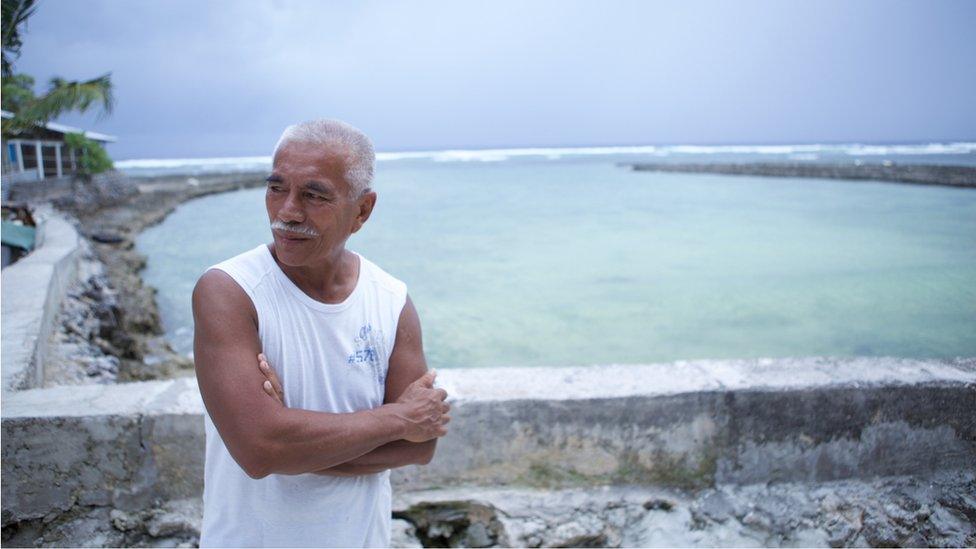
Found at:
(15, 14)
(62, 95)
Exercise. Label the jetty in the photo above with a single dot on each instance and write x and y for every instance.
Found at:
(919, 174)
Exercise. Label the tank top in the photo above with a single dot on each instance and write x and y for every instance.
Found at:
(329, 358)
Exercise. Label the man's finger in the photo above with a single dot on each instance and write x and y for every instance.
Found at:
(270, 391)
(441, 393)
(445, 419)
(273, 378)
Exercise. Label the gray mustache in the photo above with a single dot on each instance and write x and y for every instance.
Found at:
(293, 228)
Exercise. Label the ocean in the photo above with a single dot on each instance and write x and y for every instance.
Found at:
(556, 257)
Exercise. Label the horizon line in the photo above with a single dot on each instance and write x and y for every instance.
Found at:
(608, 148)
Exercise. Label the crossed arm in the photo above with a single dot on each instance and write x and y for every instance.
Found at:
(265, 437)
(392, 454)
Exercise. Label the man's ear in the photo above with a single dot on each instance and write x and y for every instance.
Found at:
(366, 204)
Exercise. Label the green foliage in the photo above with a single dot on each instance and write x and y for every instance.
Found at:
(62, 95)
(13, 14)
(91, 157)
(18, 90)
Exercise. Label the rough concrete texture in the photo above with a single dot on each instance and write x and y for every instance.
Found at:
(937, 511)
(32, 291)
(132, 446)
(175, 523)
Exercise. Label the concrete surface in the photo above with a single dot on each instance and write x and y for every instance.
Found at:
(939, 511)
(691, 424)
(32, 292)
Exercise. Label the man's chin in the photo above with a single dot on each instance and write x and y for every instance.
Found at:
(292, 254)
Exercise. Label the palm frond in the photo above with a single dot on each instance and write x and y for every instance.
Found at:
(14, 14)
(64, 96)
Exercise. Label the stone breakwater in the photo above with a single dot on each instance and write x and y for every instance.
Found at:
(921, 174)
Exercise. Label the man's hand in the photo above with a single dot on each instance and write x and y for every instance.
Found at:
(424, 409)
(421, 405)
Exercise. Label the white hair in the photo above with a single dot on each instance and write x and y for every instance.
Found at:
(359, 165)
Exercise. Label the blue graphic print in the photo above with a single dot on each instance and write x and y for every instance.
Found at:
(368, 343)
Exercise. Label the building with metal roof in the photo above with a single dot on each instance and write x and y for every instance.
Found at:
(40, 152)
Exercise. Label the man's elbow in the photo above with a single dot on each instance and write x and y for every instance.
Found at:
(257, 458)
(430, 447)
(255, 462)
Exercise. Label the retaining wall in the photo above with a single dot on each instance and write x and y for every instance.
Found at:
(687, 424)
(33, 289)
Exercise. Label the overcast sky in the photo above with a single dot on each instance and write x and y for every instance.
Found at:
(213, 78)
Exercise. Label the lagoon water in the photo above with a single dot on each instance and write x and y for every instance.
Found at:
(576, 260)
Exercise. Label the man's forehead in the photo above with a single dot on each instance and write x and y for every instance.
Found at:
(305, 152)
(310, 163)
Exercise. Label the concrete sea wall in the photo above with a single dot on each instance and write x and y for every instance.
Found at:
(689, 424)
(33, 289)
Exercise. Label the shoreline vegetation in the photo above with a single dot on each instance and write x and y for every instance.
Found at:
(919, 174)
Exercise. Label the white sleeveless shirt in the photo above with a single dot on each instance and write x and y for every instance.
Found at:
(329, 358)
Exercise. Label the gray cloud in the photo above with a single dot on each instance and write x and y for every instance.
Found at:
(197, 79)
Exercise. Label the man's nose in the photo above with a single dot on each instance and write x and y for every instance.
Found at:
(291, 209)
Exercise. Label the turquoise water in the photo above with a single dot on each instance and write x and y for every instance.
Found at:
(584, 262)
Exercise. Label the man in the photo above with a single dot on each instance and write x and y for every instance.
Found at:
(310, 363)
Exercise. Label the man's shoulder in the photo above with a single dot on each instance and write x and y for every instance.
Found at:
(248, 269)
(380, 278)
(255, 258)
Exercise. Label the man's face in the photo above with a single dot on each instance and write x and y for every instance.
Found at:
(309, 203)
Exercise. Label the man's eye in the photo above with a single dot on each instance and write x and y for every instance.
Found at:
(274, 188)
(315, 197)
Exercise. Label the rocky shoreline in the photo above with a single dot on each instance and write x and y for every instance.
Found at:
(919, 174)
(109, 329)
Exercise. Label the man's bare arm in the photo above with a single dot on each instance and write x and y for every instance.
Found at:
(406, 361)
(407, 365)
(263, 436)
(392, 454)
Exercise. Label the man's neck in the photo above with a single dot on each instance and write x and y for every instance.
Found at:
(330, 281)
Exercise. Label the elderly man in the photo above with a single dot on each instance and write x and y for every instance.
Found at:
(310, 363)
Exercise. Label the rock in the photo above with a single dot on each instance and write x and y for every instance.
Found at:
(714, 506)
(879, 531)
(103, 367)
(841, 530)
(658, 505)
(107, 238)
(403, 534)
(123, 521)
(757, 519)
(455, 523)
(949, 528)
